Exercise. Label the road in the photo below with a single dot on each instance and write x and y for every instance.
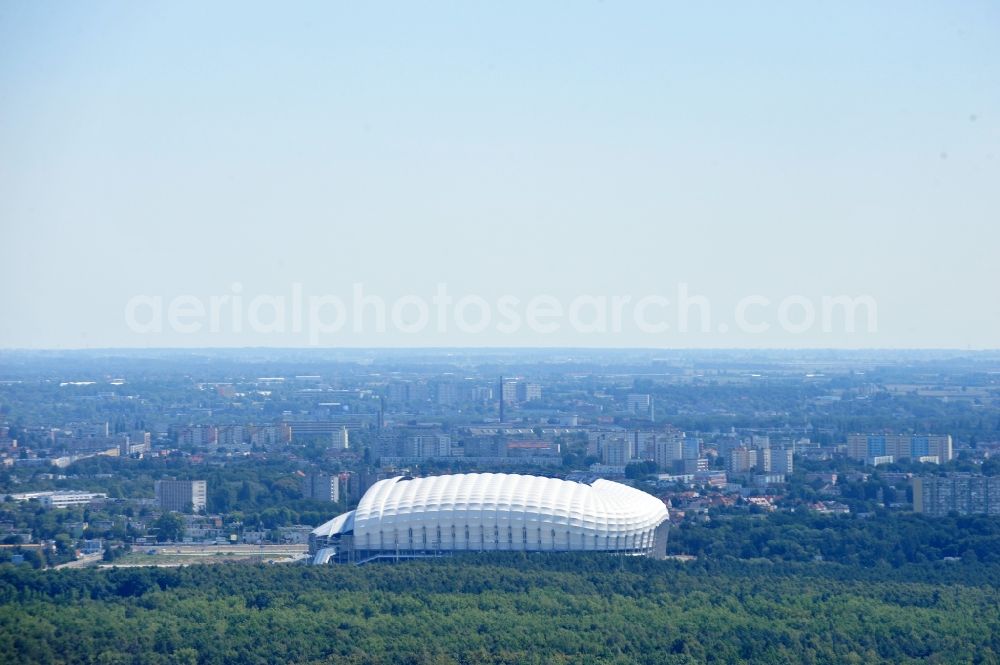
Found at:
(210, 549)
(182, 554)
(82, 562)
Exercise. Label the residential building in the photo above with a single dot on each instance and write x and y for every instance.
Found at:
(266, 435)
(528, 392)
(135, 443)
(428, 445)
(231, 435)
(532, 448)
(643, 444)
(446, 393)
(179, 495)
(639, 403)
(197, 435)
(509, 392)
(763, 460)
(782, 461)
(321, 487)
(691, 447)
(616, 452)
(766, 479)
(331, 429)
(924, 447)
(667, 449)
(90, 430)
(742, 460)
(962, 493)
(686, 466)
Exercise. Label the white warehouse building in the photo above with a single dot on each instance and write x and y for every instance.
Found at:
(474, 512)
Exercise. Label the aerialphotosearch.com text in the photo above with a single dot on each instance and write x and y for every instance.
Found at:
(320, 318)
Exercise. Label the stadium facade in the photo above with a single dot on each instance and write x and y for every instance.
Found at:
(406, 517)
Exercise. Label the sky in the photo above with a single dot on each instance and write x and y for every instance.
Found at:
(564, 155)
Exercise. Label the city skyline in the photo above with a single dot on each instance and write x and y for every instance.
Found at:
(643, 332)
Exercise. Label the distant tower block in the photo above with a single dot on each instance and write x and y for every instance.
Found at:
(345, 438)
(500, 389)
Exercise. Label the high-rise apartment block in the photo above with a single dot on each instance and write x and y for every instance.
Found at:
(962, 493)
(918, 447)
(428, 445)
(782, 461)
(265, 435)
(688, 466)
(742, 460)
(528, 392)
(638, 402)
(667, 449)
(180, 495)
(691, 448)
(616, 452)
(515, 391)
(231, 435)
(321, 487)
(644, 444)
(197, 435)
(761, 460)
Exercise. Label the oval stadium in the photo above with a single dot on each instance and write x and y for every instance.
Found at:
(406, 517)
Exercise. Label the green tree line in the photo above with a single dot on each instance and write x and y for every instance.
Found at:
(504, 608)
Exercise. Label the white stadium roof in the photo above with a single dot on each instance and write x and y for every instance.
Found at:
(499, 511)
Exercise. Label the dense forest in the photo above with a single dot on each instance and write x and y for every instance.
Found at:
(884, 537)
(506, 609)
